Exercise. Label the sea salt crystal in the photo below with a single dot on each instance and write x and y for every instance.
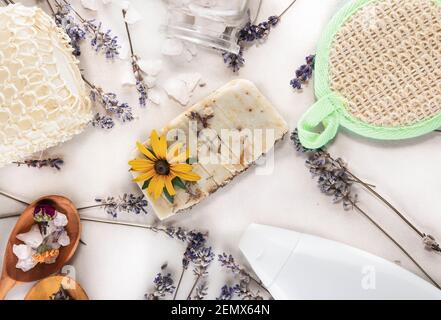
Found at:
(32, 238)
(26, 264)
(64, 239)
(60, 220)
(22, 251)
(150, 67)
(90, 4)
(172, 47)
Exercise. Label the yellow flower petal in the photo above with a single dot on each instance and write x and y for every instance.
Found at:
(181, 167)
(141, 164)
(159, 187)
(145, 176)
(159, 145)
(169, 185)
(145, 151)
(189, 176)
(152, 185)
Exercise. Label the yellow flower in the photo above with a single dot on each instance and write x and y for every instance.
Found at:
(162, 166)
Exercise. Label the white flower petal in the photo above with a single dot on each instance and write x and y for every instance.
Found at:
(107, 1)
(150, 67)
(60, 220)
(22, 251)
(90, 4)
(32, 238)
(172, 47)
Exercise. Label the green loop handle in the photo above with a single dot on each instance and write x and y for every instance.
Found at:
(324, 112)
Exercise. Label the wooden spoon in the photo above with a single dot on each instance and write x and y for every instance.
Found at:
(11, 275)
(45, 288)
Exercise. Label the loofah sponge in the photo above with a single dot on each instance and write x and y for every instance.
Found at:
(43, 99)
(378, 72)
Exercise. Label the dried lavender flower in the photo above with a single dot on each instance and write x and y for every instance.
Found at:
(163, 286)
(202, 260)
(141, 86)
(201, 291)
(244, 292)
(234, 61)
(103, 122)
(127, 203)
(247, 35)
(304, 73)
(252, 32)
(227, 293)
(227, 261)
(66, 21)
(102, 41)
(430, 243)
(55, 163)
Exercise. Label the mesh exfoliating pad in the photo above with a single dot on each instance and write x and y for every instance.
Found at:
(43, 99)
(377, 72)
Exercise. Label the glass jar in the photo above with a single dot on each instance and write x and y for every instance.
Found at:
(210, 23)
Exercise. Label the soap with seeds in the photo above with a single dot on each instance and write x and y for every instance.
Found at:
(226, 132)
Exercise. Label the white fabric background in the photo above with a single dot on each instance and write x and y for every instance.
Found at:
(121, 262)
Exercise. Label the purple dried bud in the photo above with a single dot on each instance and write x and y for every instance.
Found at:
(44, 212)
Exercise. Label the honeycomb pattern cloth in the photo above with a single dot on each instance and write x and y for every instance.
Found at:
(43, 100)
(378, 72)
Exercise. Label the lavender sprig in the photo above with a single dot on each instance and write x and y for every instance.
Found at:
(103, 121)
(304, 73)
(141, 86)
(321, 163)
(163, 286)
(249, 34)
(127, 203)
(228, 262)
(102, 41)
(333, 178)
(203, 259)
(110, 103)
(55, 163)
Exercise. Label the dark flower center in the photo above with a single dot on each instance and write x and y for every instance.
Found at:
(162, 167)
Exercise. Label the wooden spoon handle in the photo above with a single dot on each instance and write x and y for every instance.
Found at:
(6, 284)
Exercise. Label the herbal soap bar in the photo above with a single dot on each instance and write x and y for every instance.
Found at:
(226, 133)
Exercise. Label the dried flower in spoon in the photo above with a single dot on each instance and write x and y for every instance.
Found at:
(42, 243)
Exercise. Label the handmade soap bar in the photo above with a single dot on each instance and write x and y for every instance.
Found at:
(226, 133)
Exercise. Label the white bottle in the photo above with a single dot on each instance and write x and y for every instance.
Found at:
(292, 265)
